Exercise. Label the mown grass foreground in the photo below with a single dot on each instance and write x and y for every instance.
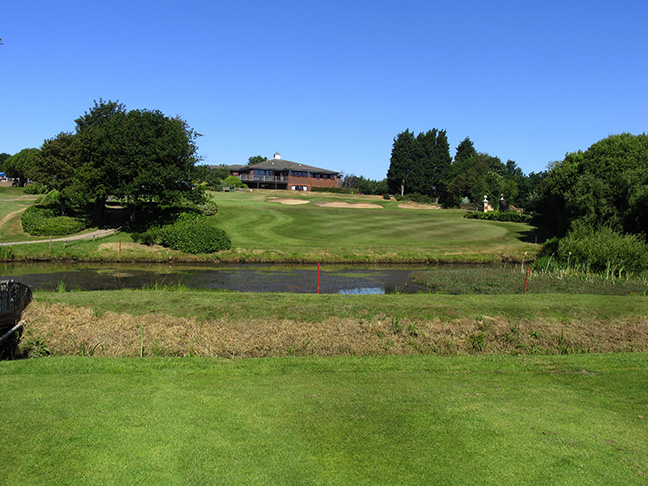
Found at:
(498, 420)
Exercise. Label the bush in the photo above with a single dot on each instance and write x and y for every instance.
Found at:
(190, 234)
(421, 198)
(603, 248)
(35, 188)
(34, 216)
(194, 237)
(500, 216)
(210, 208)
(43, 221)
(335, 190)
(52, 198)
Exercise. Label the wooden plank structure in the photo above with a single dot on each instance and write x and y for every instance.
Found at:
(14, 297)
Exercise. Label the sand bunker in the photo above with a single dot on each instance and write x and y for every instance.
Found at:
(284, 200)
(341, 204)
(414, 205)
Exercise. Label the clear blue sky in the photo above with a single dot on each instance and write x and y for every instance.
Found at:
(331, 83)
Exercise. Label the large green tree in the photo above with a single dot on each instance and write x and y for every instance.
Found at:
(404, 168)
(3, 156)
(434, 153)
(140, 156)
(256, 159)
(18, 165)
(607, 185)
(57, 166)
(418, 163)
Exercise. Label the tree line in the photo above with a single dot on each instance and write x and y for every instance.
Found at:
(421, 167)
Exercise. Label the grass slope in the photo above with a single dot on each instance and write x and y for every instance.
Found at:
(263, 230)
(259, 227)
(577, 420)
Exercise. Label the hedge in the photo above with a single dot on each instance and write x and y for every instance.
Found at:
(42, 221)
(500, 216)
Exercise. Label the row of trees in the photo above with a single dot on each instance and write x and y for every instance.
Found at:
(138, 156)
(421, 165)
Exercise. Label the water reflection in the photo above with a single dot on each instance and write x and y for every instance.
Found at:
(333, 279)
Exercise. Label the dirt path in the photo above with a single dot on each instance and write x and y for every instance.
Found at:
(84, 236)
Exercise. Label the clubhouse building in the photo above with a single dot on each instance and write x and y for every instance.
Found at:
(277, 173)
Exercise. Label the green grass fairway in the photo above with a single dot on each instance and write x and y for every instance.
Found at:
(260, 228)
(264, 230)
(577, 420)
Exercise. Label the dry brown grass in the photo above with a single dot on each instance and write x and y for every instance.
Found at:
(67, 330)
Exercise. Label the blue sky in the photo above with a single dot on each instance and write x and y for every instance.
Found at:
(331, 83)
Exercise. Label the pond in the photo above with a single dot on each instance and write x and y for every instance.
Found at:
(333, 279)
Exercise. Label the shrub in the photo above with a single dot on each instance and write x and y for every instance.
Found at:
(511, 216)
(43, 221)
(421, 198)
(210, 208)
(52, 198)
(35, 188)
(189, 233)
(334, 190)
(34, 216)
(193, 236)
(602, 248)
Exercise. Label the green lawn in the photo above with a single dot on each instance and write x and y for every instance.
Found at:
(263, 230)
(577, 420)
(210, 305)
(12, 202)
(311, 232)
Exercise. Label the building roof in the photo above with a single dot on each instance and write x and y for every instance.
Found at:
(235, 167)
(282, 165)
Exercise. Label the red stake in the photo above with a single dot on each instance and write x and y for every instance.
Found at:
(318, 271)
(526, 281)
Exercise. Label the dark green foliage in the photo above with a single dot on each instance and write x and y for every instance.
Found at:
(404, 169)
(256, 159)
(420, 198)
(477, 176)
(147, 216)
(139, 156)
(464, 151)
(195, 238)
(3, 156)
(19, 165)
(500, 216)
(359, 184)
(335, 190)
(215, 177)
(188, 233)
(43, 221)
(607, 185)
(418, 164)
